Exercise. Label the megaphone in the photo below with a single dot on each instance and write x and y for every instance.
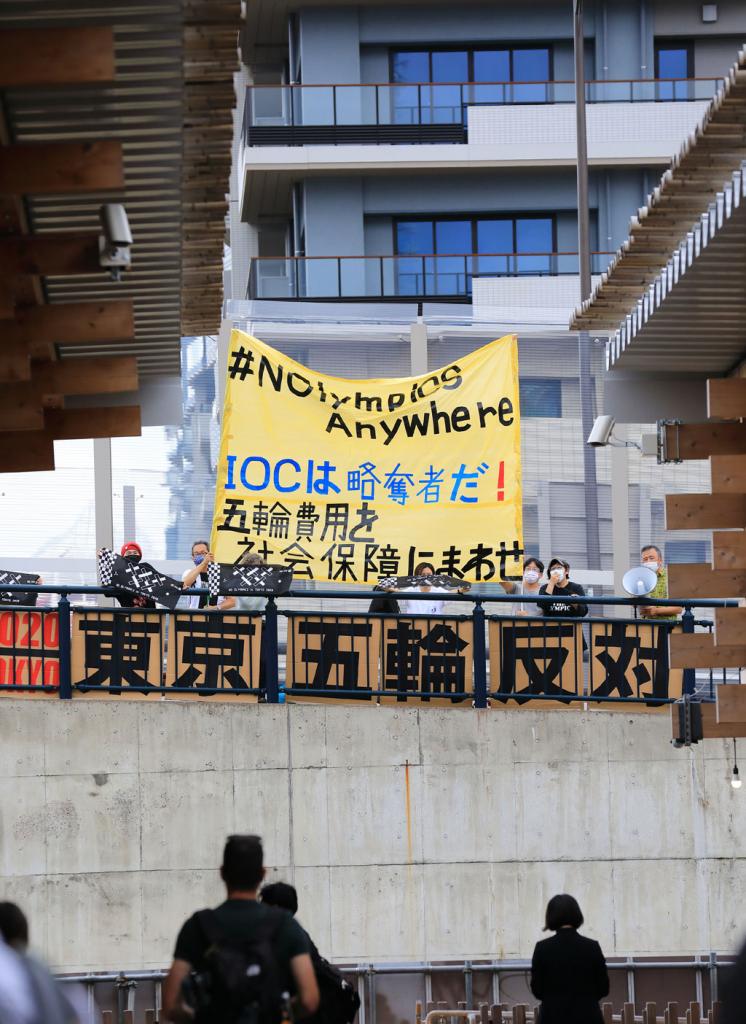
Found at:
(640, 581)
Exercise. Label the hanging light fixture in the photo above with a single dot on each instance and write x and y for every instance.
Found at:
(735, 779)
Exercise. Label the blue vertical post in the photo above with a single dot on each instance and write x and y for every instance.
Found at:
(272, 667)
(66, 673)
(689, 678)
(479, 654)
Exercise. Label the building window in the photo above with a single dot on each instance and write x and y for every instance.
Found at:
(497, 75)
(686, 551)
(674, 60)
(541, 396)
(440, 256)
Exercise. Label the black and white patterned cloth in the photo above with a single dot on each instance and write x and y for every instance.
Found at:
(106, 560)
(24, 597)
(141, 579)
(437, 580)
(225, 579)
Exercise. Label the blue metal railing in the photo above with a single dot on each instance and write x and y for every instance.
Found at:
(210, 652)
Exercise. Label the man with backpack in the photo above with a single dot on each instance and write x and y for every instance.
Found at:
(339, 1000)
(244, 962)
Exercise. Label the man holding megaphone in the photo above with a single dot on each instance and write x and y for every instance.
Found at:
(652, 558)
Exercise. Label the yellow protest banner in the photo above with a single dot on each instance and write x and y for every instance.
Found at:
(351, 480)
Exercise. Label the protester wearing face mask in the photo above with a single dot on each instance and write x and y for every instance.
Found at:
(197, 576)
(533, 570)
(132, 553)
(560, 585)
(653, 559)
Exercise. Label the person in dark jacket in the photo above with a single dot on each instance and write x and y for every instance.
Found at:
(568, 971)
(734, 991)
(563, 589)
(384, 601)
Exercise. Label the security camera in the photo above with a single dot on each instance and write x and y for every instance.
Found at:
(601, 432)
(114, 244)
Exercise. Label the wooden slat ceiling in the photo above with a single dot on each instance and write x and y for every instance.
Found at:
(674, 293)
(169, 105)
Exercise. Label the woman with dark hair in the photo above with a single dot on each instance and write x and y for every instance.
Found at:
(568, 971)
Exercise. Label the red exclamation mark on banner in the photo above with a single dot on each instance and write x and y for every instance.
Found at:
(501, 482)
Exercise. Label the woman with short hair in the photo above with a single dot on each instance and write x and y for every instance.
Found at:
(568, 971)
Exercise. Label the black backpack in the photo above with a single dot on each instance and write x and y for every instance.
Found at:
(339, 1001)
(240, 982)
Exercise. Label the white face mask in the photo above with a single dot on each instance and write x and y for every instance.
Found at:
(530, 576)
(651, 563)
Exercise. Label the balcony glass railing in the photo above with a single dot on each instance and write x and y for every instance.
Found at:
(431, 106)
(361, 278)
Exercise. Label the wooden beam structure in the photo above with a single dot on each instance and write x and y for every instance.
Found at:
(698, 650)
(23, 406)
(730, 626)
(73, 323)
(729, 550)
(728, 474)
(730, 705)
(705, 511)
(701, 440)
(49, 254)
(111, 421)
(50, 168)
(726, 398)
(713, 730)
(56, 56)
(698, 580)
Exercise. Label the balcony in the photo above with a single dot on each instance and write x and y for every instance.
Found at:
(447, 278)
(426, 112)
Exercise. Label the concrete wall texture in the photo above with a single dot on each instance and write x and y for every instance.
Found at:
(411, 834)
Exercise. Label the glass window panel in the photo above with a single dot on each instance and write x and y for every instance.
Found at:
(453, 236)
(411, 66)
(407, 101)
(673, 62)
(452, 275)
(534, 235)
(445, 105)
(414, 236)
(530, 66)
(410, 275)
(541, 397)
(450, 66)
(492, 66)
(494, 236)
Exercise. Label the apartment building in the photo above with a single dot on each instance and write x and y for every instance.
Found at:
(404, 189)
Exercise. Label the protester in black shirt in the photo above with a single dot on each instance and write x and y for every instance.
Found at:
(560, 584)
(238, 920)
(339, 1002)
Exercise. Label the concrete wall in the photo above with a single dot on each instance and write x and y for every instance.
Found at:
(410, 834)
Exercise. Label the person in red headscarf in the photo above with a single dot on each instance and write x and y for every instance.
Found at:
(132, 552)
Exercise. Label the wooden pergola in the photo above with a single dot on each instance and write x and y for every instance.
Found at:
(674, 300)
(131, 104)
